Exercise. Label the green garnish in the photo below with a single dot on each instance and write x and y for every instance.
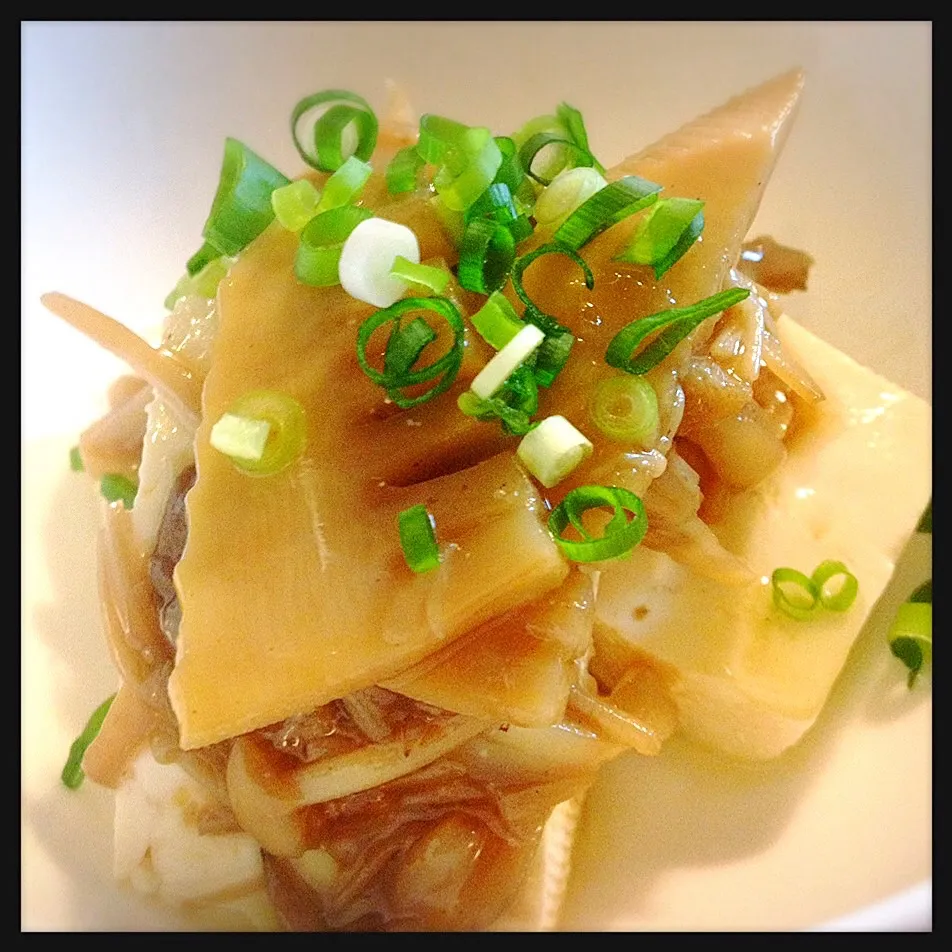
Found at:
(72, 774)
(118, 488)
(800, 596)
(620, 535)
(418, 539)
(339, 113)
(625, 409)
(665, 232)
(76, 460)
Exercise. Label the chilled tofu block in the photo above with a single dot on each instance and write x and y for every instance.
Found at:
(746, 678)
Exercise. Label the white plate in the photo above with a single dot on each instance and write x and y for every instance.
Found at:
(122, 129)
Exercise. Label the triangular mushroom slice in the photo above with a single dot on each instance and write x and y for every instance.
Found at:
(293, 587)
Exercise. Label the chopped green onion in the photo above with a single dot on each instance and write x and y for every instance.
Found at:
(295, 204)
(424, 276)
(319, 251)
(469, 169)
(285, 432)
(910, 636)
(551, 450)
(76, 460)
(118, 488)
(504, 363)
(203, 256)
(437, 136)
(345, 184)
(405, 345)
(515, 420)
(574, 124)
(486, 255)
(204, 283)
(367, 257)
(496, 321)
(794, 593)
(241, 209)
(625, 409)
(608, 206)
(659, 234)
(72, 774)
(925, 521)
(675, 323)
(621, 534)
(418, 539)
(565, 131)
(569, 190)
(497, 203)
(403, 170)
(445, 368)
(838, 598)
(324, 148)
(569, 150)
(510, 172)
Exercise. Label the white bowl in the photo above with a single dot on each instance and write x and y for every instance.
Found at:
(122, 130)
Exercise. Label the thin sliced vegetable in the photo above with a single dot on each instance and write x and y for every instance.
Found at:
(285, 431)
(621, 534)
(418, 539)
(332, 113)
(72, 774)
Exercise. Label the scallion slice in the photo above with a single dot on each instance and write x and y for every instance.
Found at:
(469, 168)
(910, 635)
(443, 370)
(608, 206)
(118, 488)
(403, 170)
(504, 363)
(241, 209)
(201, 257)
(345, 184)
(295, 204)
(405, 345)
(418, 539)
(662, 232)
(496, 321)
(794, 593)
(331, 113)
(319, 250)
(72, 774)
(675, 324)
(276, 415)
(840, 595)
(620, 535)
(424, 276)
(510, 172)
(625, 409)
(569, 190)
(551, 450)
(203, 284)
(366, 261)
(572, 154)
(76, 460)
(486, 255)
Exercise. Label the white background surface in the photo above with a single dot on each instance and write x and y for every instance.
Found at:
(122, 131)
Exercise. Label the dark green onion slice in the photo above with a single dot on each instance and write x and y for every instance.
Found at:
(437, 136)
(513, 405)
(118, 488)
(405, 345)
(608, 206)
(683, 245)
(923, 593)
(497, 203)
(469, 169)
(72, 774)
(660, 232)
(203, 256)
(836, 597)
(573, 155)
(486, 255)
(318, 253)
(403, 170)
(76, 460)
(418, 539)
(510, 172)
(497, 321)
(675, 324)
(794, 593)
(444, 368)
(621, 534)
(241, 209)
(287, 433)
(910, 636)
(571, 119)
(625, 409)
(424, 276)
(345, 184)
(322, 147)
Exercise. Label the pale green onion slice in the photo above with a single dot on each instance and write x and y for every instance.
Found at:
(203, 284)
(367, 257)
(553, 449)
(118, 488)
(625, 409)
(675, 324)
(345, 184)
(910, 636)
(496, 321)
(503, 364)
(240, 437)
(794, 593)
(295, 204)
(241, 209)
(331, 114)
(486, 255)
(418, 539)
(567, 191)
(403, 170)
(318, 254)
(469, 169)
(72, 774)
(425, 277)
(660, 231)
(76, 460)
(836, 585)
(608, 206)
(620, 535)
(285, 436)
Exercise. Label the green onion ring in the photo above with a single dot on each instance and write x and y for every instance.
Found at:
(659, 239)
(287, 435)
(910, 636)
(608, 206)
(318, 253)
(72, 774)
(418, 539)
(448, 365)
(403, 170)
(788, 582)
(675, 323)
(486, 255)
(841, 599)
(536, 143)
(405, 345)
(324, 151)
(621, 534)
